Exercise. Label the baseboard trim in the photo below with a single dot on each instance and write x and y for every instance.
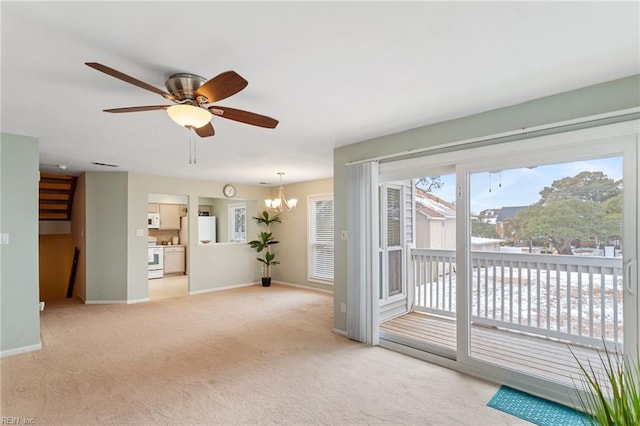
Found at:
(322, 290)
(340, 332)
(21, 350)
(229, 287)
(132, 301)
(116, 302)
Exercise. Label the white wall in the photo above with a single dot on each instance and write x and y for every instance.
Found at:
(440, 234)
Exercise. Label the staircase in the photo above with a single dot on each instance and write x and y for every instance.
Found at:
(56, 196)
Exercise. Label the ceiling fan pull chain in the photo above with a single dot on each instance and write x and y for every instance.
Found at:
(191, 146)
(195, 153)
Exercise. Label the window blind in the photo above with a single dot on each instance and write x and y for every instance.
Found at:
(321, 238)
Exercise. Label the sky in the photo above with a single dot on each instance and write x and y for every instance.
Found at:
(522, 186)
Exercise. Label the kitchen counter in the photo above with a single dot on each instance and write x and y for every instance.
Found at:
(174, 259)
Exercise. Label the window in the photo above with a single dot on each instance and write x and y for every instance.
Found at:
(391, 239)
(320, 265)
(237, 222)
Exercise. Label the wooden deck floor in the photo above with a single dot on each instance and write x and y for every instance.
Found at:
(544, 358)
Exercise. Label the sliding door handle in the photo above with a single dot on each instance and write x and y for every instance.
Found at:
(627, 276)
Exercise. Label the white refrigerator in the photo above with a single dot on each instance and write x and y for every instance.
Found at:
(206, 229)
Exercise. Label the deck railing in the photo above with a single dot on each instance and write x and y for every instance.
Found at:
(574, 298)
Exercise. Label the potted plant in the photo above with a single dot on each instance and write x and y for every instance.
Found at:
(611, 397)
(263, 243)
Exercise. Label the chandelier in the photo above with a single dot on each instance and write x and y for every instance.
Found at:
(281, 204)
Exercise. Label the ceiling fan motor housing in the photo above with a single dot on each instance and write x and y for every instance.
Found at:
(183, 86)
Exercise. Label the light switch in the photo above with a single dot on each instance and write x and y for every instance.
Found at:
(4, 238)
(139, 232)
(344, 235)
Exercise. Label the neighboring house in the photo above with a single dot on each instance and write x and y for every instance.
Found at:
(436, 225)
(435, 221)
(504, 215)
(489, 216)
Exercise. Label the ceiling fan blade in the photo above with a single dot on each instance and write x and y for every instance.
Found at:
(127, 78)
(138, 108)
(244, 116)
(222, 86)
(205, 131)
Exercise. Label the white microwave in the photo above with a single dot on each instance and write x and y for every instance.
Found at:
(154, 220)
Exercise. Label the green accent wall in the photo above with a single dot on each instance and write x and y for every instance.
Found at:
(106, 206)
(19, 293)
(602, 98)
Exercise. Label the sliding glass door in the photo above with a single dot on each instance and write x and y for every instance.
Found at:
(550, 242)
(520, 251)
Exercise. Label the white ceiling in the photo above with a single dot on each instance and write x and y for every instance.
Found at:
(332, 73)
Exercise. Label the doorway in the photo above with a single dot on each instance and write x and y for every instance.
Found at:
(168, 226)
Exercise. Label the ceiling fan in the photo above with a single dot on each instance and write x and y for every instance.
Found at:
(192, 96)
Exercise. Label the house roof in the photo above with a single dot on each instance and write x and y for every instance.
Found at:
(509, 212)
(332, 73)
(432, 206)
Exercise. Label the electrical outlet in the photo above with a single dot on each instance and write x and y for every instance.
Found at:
(343, 307)
(4, 238)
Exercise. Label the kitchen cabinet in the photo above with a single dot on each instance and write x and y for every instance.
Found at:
(169, 216)
(174, 260)
(205, 210)
(154, 208)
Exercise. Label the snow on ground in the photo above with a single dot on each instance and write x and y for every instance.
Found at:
(566, 303)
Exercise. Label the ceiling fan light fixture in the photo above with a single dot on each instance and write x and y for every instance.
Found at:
(189, 116)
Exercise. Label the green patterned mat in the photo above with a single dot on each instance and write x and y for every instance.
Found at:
(536, 410)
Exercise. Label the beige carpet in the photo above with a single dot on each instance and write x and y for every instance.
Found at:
(248, 356)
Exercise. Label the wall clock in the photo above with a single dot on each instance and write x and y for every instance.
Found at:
(229, 191)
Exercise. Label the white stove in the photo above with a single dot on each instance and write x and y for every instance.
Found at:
(156, 258)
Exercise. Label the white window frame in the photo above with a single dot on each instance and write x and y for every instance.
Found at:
(384, 249)
(231, 208)
(311, 227)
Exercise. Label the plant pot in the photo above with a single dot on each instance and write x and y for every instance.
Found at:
(266, 281)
